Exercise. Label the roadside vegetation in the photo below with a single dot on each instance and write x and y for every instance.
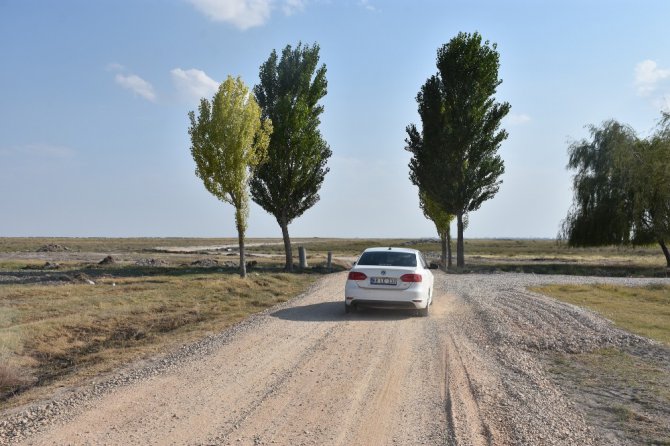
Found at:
(62, 332)
(626, 393)
(640, 310)
(621, 388)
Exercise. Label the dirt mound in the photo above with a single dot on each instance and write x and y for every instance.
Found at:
(419, 241)
(151, 262)
(52, 247)
(109, 260)
(47, 265)
(205, 263)
(77, 278)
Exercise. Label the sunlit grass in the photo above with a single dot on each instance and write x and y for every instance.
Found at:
(641, 310)
(54, 331)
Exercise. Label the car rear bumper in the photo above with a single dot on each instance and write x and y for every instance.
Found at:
(413, 298)
(385, 304)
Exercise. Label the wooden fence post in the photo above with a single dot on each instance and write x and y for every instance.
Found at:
(303, 257)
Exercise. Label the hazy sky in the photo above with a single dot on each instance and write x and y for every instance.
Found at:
(94, 97)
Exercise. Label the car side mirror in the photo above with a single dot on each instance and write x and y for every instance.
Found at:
(433, 265)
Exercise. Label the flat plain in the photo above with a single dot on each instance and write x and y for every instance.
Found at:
(78, 333)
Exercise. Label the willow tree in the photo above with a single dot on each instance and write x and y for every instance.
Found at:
(602, 210)
(442, 221)
(649, 183)
(455, 155)
(621, 188)
(287, 183)
(228, 139)
(653, 214)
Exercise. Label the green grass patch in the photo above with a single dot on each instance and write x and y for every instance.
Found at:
(641, 310)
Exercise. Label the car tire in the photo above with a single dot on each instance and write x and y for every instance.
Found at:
(423, 312)
(347, 309)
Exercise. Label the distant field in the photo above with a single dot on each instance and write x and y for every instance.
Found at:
(539, 256)
(101, 244)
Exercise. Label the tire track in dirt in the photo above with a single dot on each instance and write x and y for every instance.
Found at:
(465, 421)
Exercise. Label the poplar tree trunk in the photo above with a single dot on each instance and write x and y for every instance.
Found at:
(240, 242)
(288, 266)
(443, 257)
(449, 263)
(460, 255)
(666, 252)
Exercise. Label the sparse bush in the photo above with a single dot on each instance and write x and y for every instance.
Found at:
(12, 377)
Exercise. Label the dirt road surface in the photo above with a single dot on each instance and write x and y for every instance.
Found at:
(307, 374)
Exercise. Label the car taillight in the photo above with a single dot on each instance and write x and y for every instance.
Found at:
(411, 278)
(355, 275)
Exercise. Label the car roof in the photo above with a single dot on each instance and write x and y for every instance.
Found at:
(393, 249)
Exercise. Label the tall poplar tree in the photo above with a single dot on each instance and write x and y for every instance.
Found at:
(228, 138)
(455, 155)
(287, 182)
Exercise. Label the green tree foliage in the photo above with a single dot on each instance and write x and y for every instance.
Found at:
(650, 187)
(455, 155)
(287, 183)
(621, 188)
(228, 138)
(602, 209)
(442, 221)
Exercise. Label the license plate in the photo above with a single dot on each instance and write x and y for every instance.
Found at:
(383, 281)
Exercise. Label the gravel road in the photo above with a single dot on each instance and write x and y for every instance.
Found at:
(306, 374)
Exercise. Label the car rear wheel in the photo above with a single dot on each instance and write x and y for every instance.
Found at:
(423, 312)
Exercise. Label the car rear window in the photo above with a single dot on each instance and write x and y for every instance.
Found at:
(387, 258)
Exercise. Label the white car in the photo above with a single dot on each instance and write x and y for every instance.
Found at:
(390, 278)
